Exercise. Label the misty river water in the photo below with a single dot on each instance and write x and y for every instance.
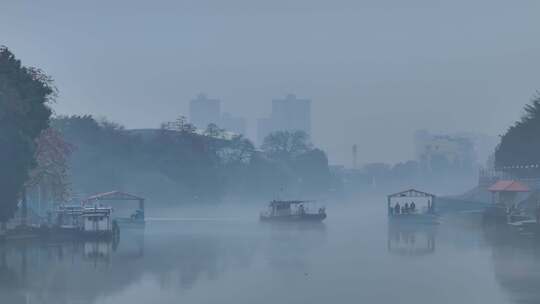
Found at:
(225, 255)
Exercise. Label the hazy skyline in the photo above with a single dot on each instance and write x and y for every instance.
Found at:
(376, 71)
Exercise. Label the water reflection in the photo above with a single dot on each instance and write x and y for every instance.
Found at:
(174, 256)
(11, 281)
(62, 272)
(411, 240)
(341, 259)
(516, 262)
(286, 246)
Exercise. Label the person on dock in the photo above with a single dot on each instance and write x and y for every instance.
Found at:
(397, 208)
(413, 207)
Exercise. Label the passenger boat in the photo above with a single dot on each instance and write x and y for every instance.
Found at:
(97, 222)
(133, 220)
(292, 211)
(67, 218)
(76, 221)
(412, 207)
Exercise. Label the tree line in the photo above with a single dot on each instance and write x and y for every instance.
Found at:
(519, 147)
(176, 163)
(25, 96)
(62, 158)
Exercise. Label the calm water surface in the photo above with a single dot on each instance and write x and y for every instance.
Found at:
(224, 255)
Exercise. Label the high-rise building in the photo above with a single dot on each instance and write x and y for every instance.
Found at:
(289, 114)
(204, 111)
(444, 151)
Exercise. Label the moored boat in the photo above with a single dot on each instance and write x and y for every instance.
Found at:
(133, 220)
(292, 211)
(77, 221)
(97, 222)
(404, 207)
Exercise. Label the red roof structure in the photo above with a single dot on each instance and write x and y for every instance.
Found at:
(508, 186)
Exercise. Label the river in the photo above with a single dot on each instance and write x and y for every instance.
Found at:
(225, 255)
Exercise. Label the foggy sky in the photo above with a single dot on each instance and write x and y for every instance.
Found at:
(376, 70)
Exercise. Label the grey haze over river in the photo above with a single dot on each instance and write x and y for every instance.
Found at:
(224, 255)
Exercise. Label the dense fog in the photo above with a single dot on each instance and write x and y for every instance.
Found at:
(286, 151)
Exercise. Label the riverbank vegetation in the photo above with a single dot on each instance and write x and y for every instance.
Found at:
(176, 164)
(65, 158)
(519, 150)
(25, 96)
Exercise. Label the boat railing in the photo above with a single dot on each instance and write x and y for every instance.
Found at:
(310, 210)
(320, 210)
(416, 211)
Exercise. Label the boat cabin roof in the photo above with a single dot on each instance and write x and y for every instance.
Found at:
(101, 211)
(66, 210)
(288, 203)
(412, 193)
(113, 195)
(69, 208)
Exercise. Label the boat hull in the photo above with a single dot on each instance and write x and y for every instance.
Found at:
(59, 233)
(319, 217)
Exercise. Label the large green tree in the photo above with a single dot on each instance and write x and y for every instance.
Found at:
(303, 168)
(24, 114)
(285, 145)
(520, 145)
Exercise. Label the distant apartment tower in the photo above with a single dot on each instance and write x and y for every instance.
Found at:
(289, 114)
(451, 150)
(204, 111)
